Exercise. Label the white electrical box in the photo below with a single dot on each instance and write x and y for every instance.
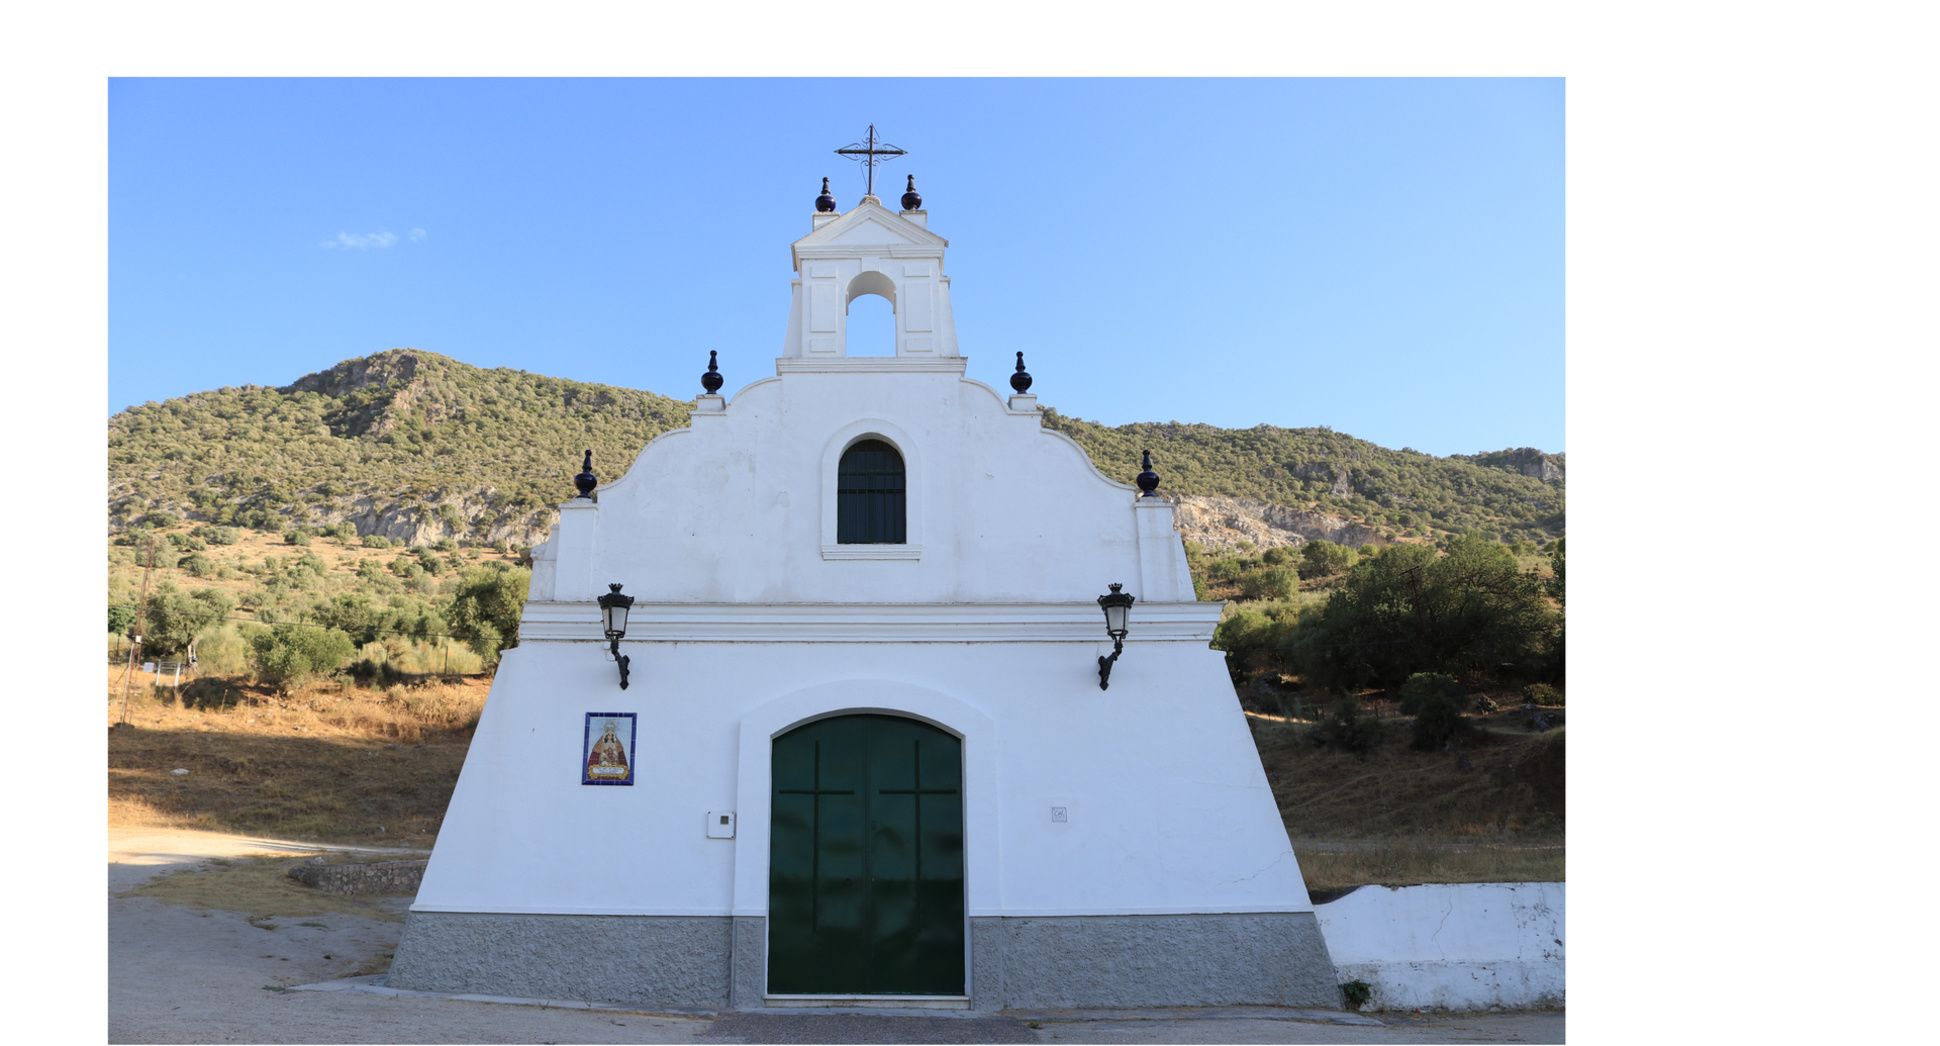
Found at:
(720, 824)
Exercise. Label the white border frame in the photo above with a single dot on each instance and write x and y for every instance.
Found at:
(846, 437)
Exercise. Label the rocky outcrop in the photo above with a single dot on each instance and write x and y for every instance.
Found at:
(1523, 461)
(1222, 522)
(472, 516)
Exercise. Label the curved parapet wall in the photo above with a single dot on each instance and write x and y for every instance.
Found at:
(740, 507)
(1466, 946)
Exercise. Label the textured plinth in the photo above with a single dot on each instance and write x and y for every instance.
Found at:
(657, 962)
(697, 963)
(1071, 962)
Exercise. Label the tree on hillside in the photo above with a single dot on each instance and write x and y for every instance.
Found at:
(1556, 565)
(176, 618)
(121, 618)
(1322, 558)
(1468, 612)
(486, 607)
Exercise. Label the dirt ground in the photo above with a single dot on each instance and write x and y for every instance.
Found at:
(230, 954)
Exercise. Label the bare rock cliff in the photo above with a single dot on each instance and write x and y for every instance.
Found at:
(1216, 521)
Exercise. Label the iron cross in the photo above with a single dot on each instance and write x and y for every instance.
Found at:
(866, 153)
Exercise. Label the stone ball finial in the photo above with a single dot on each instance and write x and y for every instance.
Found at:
(1148, 481)
(586, 481)
(912, 201)
(825, 203)
(711, 381)
(1021, 381)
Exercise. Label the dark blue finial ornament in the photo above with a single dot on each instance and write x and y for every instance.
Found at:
(1148, 481)
(1021, 381)
(912, 201)
(825, 203)
(711, 381)
(586, 481)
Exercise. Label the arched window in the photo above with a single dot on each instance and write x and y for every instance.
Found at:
(870, 496)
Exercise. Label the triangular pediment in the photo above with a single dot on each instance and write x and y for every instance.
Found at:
(870, 225)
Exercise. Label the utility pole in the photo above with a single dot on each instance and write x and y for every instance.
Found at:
(141, 630)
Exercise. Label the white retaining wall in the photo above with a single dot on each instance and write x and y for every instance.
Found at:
(1466, 946)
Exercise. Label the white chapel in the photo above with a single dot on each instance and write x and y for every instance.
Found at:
(861, 733)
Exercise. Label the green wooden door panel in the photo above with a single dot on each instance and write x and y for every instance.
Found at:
(866, 860)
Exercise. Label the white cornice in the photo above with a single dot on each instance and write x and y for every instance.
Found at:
(868, 622)
(869, 364)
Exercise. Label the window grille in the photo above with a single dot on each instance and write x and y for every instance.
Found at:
(870, 496)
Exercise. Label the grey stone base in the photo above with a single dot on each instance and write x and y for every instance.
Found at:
(717, 963)
(659, 962)
(1119, 961)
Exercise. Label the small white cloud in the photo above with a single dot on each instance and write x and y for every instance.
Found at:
(419, 235)
(362, 241)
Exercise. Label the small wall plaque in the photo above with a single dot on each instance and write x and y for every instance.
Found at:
(608, 757)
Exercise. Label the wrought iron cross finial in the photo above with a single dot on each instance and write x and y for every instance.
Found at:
(867, 152)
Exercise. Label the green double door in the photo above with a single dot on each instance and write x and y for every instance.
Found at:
(865, 880)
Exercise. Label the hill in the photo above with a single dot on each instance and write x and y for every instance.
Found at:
(418, 448)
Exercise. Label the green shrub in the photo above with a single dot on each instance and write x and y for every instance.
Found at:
(1438, 723)
(1346, 729)
(285, 655)
(1270, 583)
(197, 565)
(376, 541)
(1356, 994)
(187, 542)
(217, 535)
(299, 536)
(1542, 694)
(1423, 686)
(1324, 559)
(1254, 639)
(222, 652)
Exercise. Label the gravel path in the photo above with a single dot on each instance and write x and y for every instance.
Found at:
(181, 974)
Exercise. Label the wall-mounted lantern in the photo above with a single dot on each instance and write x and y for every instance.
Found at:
(1118, 607)
(613, 609)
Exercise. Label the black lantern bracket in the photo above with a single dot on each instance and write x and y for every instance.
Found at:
(1117, 605)
(613, 612)
(622, 660)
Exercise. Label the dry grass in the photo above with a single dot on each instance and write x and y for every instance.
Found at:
(1332, 869)
(330, 763)
(1507, 788)
(1492, 812)
(262, 887)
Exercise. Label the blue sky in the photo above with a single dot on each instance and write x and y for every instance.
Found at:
(1384, 257)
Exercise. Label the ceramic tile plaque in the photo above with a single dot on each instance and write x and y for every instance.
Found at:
(608, 756)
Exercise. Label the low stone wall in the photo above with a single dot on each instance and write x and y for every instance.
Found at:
(400, 877)
(1467, 946)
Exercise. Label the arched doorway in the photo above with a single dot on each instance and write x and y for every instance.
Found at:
(865, 867)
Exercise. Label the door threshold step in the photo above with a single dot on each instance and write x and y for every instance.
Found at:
(868, 1002)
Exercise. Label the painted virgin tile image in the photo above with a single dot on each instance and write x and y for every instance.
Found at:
(609, 748)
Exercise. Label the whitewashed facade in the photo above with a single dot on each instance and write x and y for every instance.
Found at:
(1117, 847)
